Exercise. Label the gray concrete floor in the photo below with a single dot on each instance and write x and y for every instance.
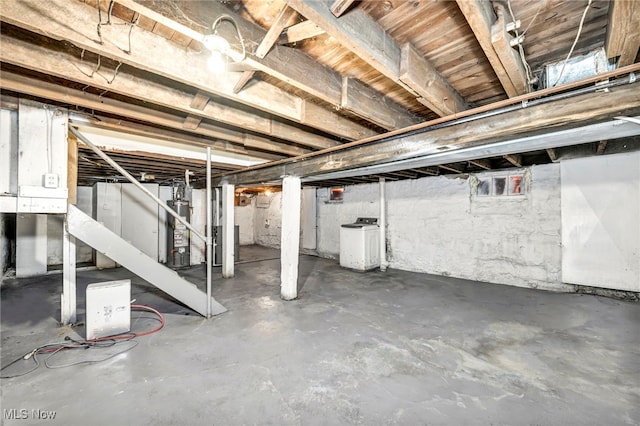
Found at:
(355, 348)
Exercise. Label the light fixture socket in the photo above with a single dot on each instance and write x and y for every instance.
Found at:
(216, 43)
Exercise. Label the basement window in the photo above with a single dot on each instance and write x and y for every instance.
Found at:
(515, 185)
(336, 194)
(501, 186)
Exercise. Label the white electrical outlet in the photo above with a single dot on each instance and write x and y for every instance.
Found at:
(51, 180)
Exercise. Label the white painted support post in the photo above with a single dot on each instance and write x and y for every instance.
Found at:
(209, 232)
(68, 297)
(290, 237)
(228, 227)
(383, 227)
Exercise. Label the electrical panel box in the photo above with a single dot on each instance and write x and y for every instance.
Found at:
(108, 308)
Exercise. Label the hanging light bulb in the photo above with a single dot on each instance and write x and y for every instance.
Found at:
(214, 42)
(220, 49)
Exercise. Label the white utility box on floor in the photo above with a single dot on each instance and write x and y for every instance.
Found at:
(359, 244)
(108, 308)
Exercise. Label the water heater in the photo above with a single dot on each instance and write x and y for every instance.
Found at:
(178, 237)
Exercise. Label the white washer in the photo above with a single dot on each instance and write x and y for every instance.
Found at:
(359, 244)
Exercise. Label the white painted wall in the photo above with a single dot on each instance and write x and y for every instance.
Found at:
(55, 224)
(140, 218)
(107, 205)
(360, 201)
(601, 221)
(42, 134)
(166, 194)
(84, 253)
(109, 210)
(436, 225)
(244, 218)
(268, 220)
(8, 152)
(308, 219)
(31, 244)
(199, 221)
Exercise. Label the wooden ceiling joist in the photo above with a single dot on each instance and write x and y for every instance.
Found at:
(67, 66)
(287, 64)
(357, 32)
(33, 87)
(199, 101)
(75, 23)
(601, 147)
(436, 94)
(191, 122)
(623, 31)
(455, 168)
(481, 18)
(363, 101)
(482, 163)
(155, 167)
(511, 61)
(100, 121)
(403, 174)
(427, 171)
(515, 159)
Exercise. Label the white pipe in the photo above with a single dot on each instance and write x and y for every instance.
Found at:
(216, 215)
(133, 180)
(217, 212)
(383, 228)
(209, 233)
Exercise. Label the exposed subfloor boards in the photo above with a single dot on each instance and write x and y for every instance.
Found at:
(355, 348)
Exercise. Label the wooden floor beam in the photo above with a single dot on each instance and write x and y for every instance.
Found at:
(555, 115)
